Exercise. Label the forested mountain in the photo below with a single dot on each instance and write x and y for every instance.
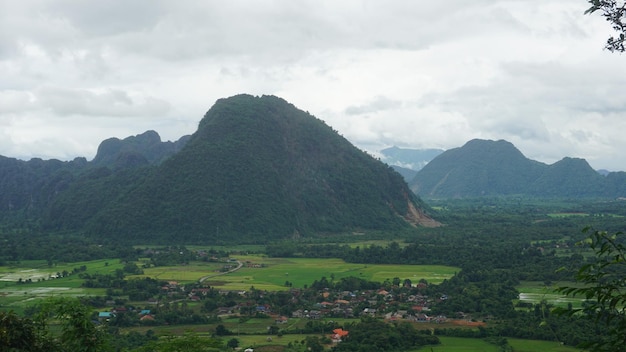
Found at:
(146, 148)
(257, 168)
(28, 187)
(491, 168)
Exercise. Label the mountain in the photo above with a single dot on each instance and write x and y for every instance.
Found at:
(256, 169)
(407, 174)
(493, 168)
(143, 149)
(412, 159)
(27, 188)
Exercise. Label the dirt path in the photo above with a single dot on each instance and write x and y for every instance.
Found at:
(239, 265)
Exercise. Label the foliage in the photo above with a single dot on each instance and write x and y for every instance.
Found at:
(615, 13)
(603, 283)
(77, 331)
(185, 343)
(256, 169)
(18, 334)
(371, 334)
(483, 168)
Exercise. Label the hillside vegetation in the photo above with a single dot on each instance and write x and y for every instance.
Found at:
(496, 168)
(256, 169)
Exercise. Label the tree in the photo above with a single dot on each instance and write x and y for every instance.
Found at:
(187, 343)
(75, 331)
(604, 288)
(221, 330)
(78, 332)
(232, 343)
(18, 334)
(615, 13)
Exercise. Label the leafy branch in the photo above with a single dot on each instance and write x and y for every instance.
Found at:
(615, 13)
(604, 289)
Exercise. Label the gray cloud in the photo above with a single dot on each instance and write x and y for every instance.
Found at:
(378, 104)
(110, 102)
(381, 73)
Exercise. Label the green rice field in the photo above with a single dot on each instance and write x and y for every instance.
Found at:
(458, 344)
(535, 292)
(272, 273)
(45, 283)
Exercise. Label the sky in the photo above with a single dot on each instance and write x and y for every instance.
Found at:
(412, 74)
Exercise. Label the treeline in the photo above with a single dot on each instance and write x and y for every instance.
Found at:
(59, 248)
(524, 261)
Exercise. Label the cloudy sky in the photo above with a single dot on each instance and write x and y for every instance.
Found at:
(414, 74)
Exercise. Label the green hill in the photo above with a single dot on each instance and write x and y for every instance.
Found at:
(494, 168)
(256, 169)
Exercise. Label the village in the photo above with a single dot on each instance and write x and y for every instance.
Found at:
(407, 302)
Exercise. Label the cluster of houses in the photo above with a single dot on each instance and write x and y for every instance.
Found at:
(342, 304)
(374, 303)
(145, 315)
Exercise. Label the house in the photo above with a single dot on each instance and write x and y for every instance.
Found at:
(105, 315)
(313, 314)
(146, 317)
(120, 310)
(440, 319)
(422, 318)
(281, 320)
(369, 311)
(341, 302)
(338, 334)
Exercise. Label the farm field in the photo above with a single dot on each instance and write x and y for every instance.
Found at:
(534, 292)
(182, 273)
(273, 273)
(459, 344)
(258, 271)
(40, 281)
(520, 345)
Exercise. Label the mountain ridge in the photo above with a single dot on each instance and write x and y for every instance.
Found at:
(257, 168)
(496, 168)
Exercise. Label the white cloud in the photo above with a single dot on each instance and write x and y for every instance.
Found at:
(109, 102)
(381, 73)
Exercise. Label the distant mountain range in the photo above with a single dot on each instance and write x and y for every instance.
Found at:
(256, 169)
(496, 168)
(408, 161)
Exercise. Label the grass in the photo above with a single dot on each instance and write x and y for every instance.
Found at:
(566, 215)
(17, 297)
(181, 273)
(520, 345)
(459, 344)
(303, 271)
(535, 292)
(271, 276)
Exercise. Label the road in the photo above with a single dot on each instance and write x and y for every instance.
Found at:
(239, 265)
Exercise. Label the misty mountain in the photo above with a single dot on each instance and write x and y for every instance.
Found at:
(407, 174)
(257, 168)
(411, 159)
(494, 168)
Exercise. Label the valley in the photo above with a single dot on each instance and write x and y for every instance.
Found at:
(266, 229)
(433, 263)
